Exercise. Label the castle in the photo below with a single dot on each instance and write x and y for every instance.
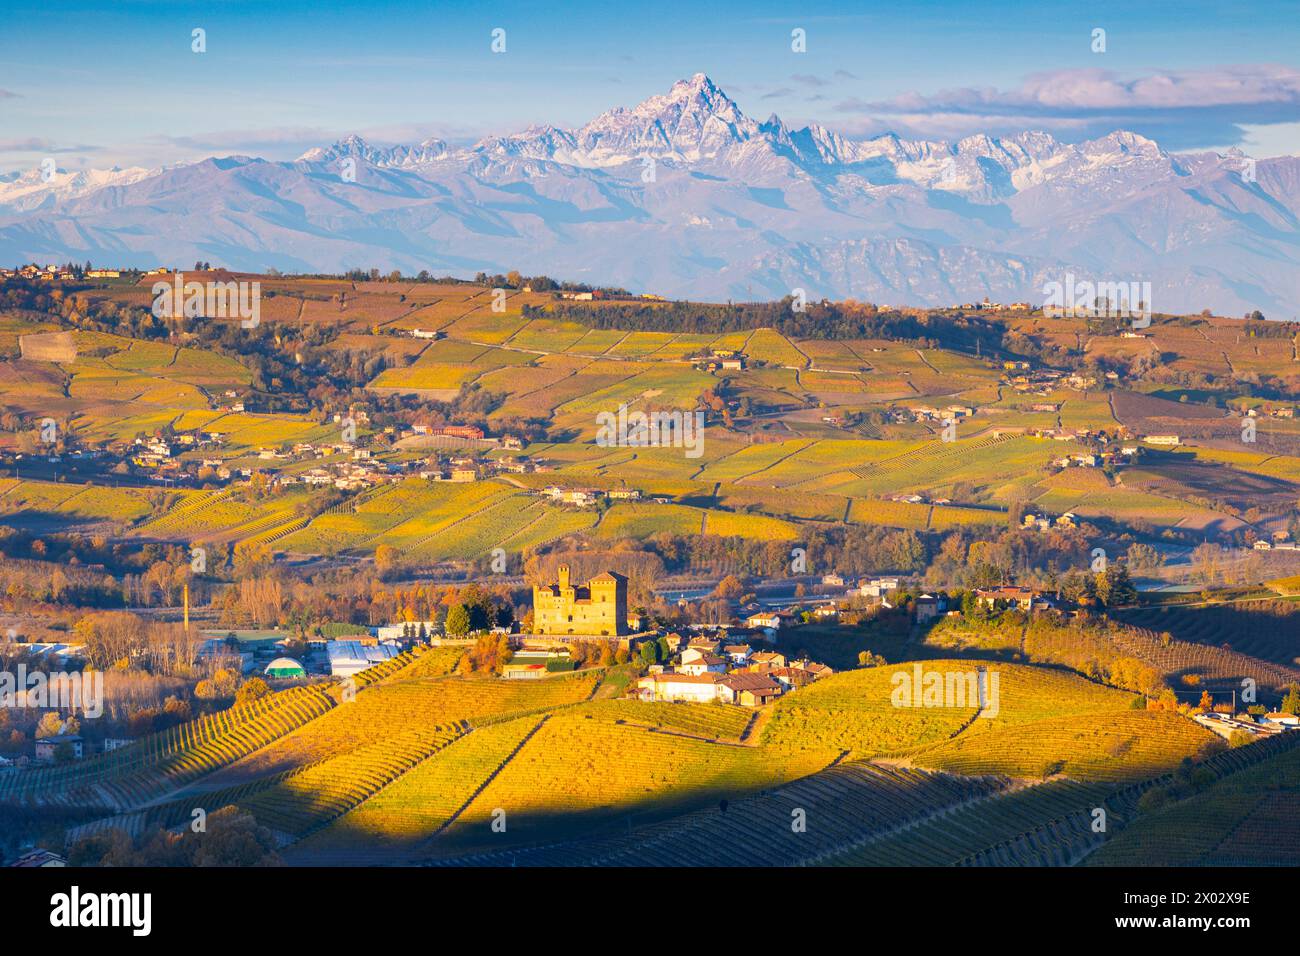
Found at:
(598, 608)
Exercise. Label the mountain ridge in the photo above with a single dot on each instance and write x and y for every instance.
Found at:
(686, 195)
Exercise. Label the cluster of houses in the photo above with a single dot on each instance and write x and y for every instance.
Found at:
(53, 272)
(987, 306)
(152, 451)
(357, 469)
(724, 359)
(588, 497)
(926, 607)
(1014, 598)
(1024, 378)
(363, 470)
(1038, 522)
(1278, 541)
(704, 669)
(926, 413)
(360, 472)
(915, 499)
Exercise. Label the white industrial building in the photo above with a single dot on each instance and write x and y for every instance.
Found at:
(353, 657)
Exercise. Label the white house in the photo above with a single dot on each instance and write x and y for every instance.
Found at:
(1277, 719)
(739, 653)
(700, 688)
(408, 630)
(695, 661)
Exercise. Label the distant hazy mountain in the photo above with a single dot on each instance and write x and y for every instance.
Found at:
(687, 196)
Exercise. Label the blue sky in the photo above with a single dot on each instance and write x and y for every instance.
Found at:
(100, 84)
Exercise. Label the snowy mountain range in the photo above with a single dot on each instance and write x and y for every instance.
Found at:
(687, 196)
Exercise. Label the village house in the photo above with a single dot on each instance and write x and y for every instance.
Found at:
(582, 497)
(674, 642)
(1025, 599)
(47, 748)
(928, 607)
(701, 642)
(817, 670)
(695, 661)
(764, 621)
(699, 688)
(766, 659)
(738, 653)
(749, 690)
(1033, 522)
(877, 587)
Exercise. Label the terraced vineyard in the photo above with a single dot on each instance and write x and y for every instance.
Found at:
(835, 808)
(855, 711)
(701, 720)
(1116, 747)
(384, 706)
(1268, 630)
(322, 792)
(397, 823)
(947, 839)
(158, 763)
(1216, 666)
(579, 771)
(1247, 817)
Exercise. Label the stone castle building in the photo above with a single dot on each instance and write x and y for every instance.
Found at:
(598, 608)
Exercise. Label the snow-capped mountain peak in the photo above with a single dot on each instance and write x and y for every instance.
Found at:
(746, 207)
(354, 146)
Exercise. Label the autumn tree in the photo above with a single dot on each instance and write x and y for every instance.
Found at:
(252, 689)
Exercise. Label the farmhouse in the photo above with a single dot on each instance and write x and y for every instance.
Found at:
(597, 608)
(749, 690)
(1026, 599)
(928, 607)
(700, 688)
(47, 749)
